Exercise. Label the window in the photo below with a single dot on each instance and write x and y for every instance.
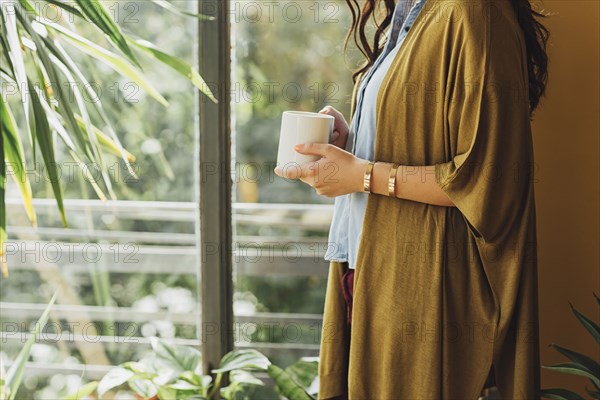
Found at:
(127, 269)
(155, 261)
(287, 55)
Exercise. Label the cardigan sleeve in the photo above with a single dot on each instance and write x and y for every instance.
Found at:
(488, 175)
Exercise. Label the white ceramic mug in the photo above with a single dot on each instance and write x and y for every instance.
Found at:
(302, 127)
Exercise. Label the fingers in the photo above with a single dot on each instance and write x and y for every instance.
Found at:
(331, 111)
(339, 118)
(320, 149)
(339, 122)
(295, 171)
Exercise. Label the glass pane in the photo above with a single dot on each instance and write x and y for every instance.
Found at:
(288, 56)
(127, 269)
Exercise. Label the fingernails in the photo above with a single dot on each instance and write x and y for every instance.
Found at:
(298, 147)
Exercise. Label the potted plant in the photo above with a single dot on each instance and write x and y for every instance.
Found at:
(579, 364)
(174, 372)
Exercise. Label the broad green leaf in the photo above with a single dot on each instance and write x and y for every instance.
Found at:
(83, 391)
(241, 376)
(119, 64)
(177, 64)
(193, 378)
(303, 372)
(46, 143)
(574, 369)
(166, 393)
(170, 7)
(248, 359)
(590, 325)
(14, 375)
(97, 14)
(184, 358)
(15, 157)
(184, 385)
(143, 387)
(113, 378)
(164, 370)
(135, 366)
(591, 365)
(560, 394)
(286, 384)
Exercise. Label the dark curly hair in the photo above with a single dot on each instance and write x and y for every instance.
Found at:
(535, 33)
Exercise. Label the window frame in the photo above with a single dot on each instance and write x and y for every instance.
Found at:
(215, 186)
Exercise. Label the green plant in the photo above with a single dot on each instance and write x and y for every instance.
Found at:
(580, 364)
(11, 380)
(174, 372)
(43, 81)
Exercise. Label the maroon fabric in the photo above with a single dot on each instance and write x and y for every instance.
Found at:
(348, 290)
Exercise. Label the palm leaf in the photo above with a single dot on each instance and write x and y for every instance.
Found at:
(12, 47)
(87, 125)
(16, 370)
(170, 7)
(54, 83)
(591, 365)
(66, 7)
(574, 369)
(594, 394)
(560, 394)
(2, 213)
(107, 142)
(59, 52)
(13, 154)
(57, 125)
(46, 143)
(99, 16)
(590, 325)
(176, 64)
(119, 64)
(27, 39)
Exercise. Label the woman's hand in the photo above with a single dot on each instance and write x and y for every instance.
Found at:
(340, 127)
(336, 173)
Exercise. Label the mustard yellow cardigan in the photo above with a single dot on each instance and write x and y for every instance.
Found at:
(441, 293)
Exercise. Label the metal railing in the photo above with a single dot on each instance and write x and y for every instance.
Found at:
(100, 238)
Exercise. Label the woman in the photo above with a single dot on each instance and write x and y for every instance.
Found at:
(432, 289)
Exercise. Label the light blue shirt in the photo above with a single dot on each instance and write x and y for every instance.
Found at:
(349, 210)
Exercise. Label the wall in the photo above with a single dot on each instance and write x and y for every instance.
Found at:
(566, 132)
